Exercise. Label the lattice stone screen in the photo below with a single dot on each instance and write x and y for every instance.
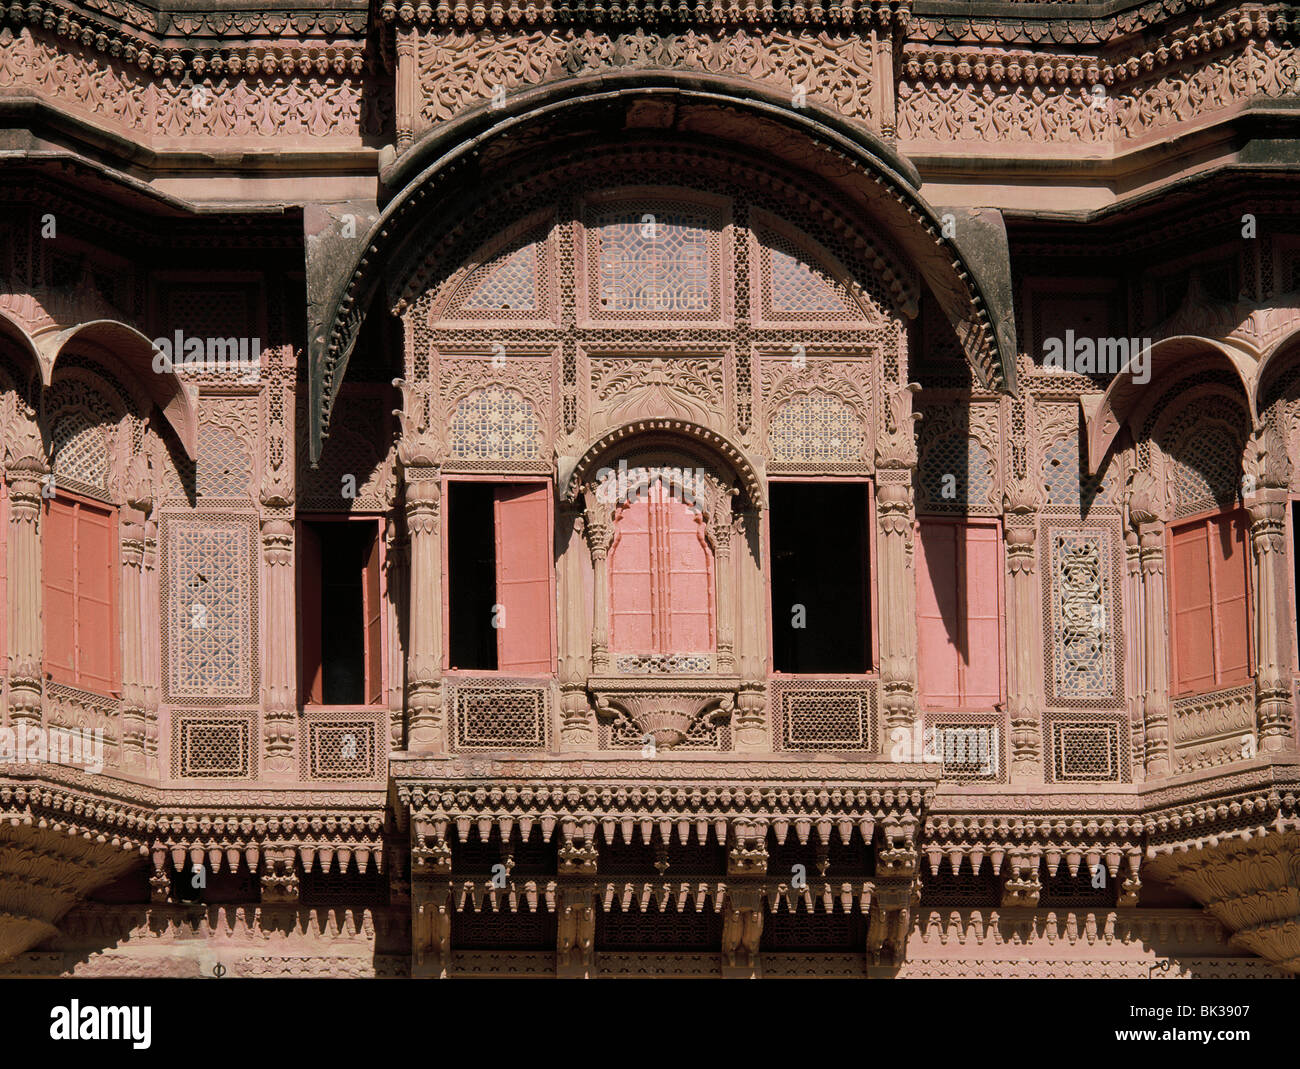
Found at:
(341, 745)
(969, 748)
(1082, 616)
(214, 745)
(813, 429)
(823, 714)
(500, 714)
(1088, 749)
(209, 586)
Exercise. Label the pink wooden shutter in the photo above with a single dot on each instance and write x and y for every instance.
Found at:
(937, 614)
(374, 617)
(309, 579)
(523, 530)
(982, 650)
(59, 589)
(1192, 606)
(631, 604)
(1227, 551)
(96, 602)
(686, 575)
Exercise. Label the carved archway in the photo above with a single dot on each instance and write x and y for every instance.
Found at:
(825, 153)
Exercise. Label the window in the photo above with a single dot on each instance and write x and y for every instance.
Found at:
(959, 614)
(79, 593)
(661, 593)
(1209, 603)
(341, 608)
(500, 605)
(821, 587)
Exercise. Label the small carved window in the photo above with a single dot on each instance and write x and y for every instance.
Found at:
(653, 262)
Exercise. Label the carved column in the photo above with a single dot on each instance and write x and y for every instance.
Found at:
(424, 656)
(750, 728)
(600, 532)
(1134, 660)
(895, 467)
(280, 701)
(25, 474)
(577, 727)
(397, 565)
(1024, 631)
(725, 572)
(1145, 516)
(152, 639)
(133, 666)
(406, 84)
(1273, 694)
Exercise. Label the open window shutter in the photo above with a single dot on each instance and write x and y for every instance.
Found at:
(938, 629)
(1227, 550)
(309, 577)
(982, 564)
(523, 574)
(631, 604)
(58, 594)
(686, 573)
(374, 624)
(96, 601)
(1193, 613)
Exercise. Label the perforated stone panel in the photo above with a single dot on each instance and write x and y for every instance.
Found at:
(1086, 749)
(954, 474)
(80, 450)
(816, 428)
(209, 586)
(823, 714)
(224, 467)
(341, 745)
(1082, 616)
(654, 260)
(501, 714)
(969, 748)
(495, 424)
(214, 745)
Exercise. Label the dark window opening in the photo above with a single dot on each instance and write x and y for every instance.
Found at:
(341, 613)
(471, 575)
(821, 608)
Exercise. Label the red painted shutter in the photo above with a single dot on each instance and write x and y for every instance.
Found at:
(373, 608)
(1228, 555)
(631, 598)
(96, 604)
(309, 578)
(982, 652)
(523, 532)
(686, 574)
(1191, 599)
(938, 631)
(59, 589)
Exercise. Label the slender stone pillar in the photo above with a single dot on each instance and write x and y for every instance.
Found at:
(724, 569)
(1273, 695)
(1134, 653)
(896, 520)
(133, 662)
(577, 727)
(424, 656)
(151, 629)
(397, 568)
(25, 474)
(1024, 639)
(1144, 513)
(405, 87)
(280, 704)
(599, 531)
(751, 727)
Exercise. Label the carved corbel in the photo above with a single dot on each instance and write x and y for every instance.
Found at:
(575, 931)
(431, 908)
(889, 921)
(1021, 886)
(280, 876)
(747, 853)
(742, 931)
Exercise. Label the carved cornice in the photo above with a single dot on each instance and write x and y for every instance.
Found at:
(484, 13)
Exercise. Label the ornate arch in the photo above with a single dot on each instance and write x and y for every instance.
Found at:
(437, 175)
(665, 432)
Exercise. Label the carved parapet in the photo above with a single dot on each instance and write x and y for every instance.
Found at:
(665, 711)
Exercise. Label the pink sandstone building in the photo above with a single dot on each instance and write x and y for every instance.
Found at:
(597, 488)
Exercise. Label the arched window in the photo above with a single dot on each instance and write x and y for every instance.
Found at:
(661, 576)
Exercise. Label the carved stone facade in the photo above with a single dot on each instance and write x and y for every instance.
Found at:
(572, 314)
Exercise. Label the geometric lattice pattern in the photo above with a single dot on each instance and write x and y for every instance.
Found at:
(653, 263)
(968, 751)
(210, 595)
(1061, 474)
(1086, 751)
(214, 746)
(512, 285)
(824, 715)
(1082, 664)
(815, 428)
(224, 465)
(80, 449)
(499, 716)
(956, 474)
(1206, 471)
(494, 424)
(796, 288)
(341, 746)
